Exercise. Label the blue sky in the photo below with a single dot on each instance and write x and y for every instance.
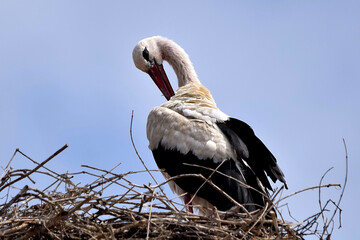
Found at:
(290, 69)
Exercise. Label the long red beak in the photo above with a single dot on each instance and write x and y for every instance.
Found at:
(158, 75)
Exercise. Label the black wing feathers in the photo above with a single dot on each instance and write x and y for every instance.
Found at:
(175, 163)
(258, 156)
(238, 144)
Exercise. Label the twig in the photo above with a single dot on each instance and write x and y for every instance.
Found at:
(136, 151)
(37, 163)
(7, 166)
(149, 219)
(36, 168)
(337, 206)
(307, 189)
(261, 216)
(14, 199)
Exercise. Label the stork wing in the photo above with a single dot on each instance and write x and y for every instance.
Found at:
(252, 150)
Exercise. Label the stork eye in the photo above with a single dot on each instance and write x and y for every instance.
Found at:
(146, 55)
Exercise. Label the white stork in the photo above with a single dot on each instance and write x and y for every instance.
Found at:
(188, 134)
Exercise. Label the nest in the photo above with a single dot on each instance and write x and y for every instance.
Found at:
(66, 209)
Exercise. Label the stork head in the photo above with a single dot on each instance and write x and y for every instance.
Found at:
(147, 56)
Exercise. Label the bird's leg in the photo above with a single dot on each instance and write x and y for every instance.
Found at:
(188, 204)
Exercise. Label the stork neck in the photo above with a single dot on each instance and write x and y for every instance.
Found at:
(179, 60)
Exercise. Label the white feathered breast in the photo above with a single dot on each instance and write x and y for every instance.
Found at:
(187, 123)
